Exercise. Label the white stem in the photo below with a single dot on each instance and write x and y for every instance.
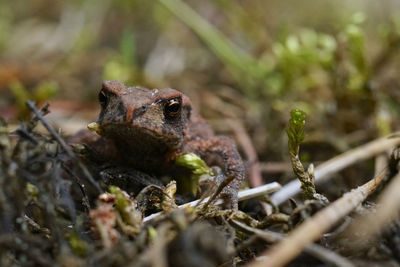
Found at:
(242, 195)
(334, 165)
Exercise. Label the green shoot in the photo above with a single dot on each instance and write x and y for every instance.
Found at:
(194, 163)
(127, 208)
(198, 167)
(79, 247)
(295, 132)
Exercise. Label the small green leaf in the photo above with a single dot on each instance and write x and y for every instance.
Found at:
(45, 90)
(121, 201)
(152, 233)
(195, 163)
(79, 247)
(127, 208)
(31, 190)
(198, 167)
(295, 129)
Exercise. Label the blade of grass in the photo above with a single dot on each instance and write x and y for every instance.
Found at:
(236, 59)
(313, 228)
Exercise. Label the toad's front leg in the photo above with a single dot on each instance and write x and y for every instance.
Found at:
(221, 151)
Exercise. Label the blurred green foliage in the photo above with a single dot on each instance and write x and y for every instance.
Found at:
(338, 64)
(79, 247)
(123, 67)
(41, 93)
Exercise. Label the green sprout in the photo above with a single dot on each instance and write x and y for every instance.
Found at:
(41, 93)
(127, 208)
(198, 167)
(79, 247)
(295, 132)
(194, 163)
(31, 190)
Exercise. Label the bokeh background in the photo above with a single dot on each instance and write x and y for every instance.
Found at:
(245, 64)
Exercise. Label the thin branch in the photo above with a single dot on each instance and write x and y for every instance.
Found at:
(31, 105)
(258, 191)
(381, 161)
(35, 226)
(275, 167)
(324, 170)
(244, 140)
(30, 246)
(387, 212)
(53, 133)
(317, 251)
(85, 199)
(242, 195)
(218, 191)
(312, 229)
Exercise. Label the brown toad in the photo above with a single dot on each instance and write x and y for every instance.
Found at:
(147, 129)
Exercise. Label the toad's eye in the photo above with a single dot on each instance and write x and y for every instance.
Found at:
(173, 107)
(103, 99)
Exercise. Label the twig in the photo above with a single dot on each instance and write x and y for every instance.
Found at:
(275, 167)
(283, 252)
(258, 191)
(254, 169)
(388, 211)
(242, 195)
(35, 226)
(317, 251)
(338, 163)
(85, 202)
(31, 105)
(381, 161)
(53, 133)
(219, 190)
(30, 246)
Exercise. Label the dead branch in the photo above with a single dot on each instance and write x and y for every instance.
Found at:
(32, 106)
(317, 251)
(219, 190)
(388, 211)
(324, 170)
(313, 228)
(242, 195)
(275, 167)
(254, 169)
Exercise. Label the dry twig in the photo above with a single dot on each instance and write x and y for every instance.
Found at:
(254, 169)
(388, 211)
(31, 105)
(338, 163)
(317, 251)
(314, 227)
(275, 167)
(243, 195)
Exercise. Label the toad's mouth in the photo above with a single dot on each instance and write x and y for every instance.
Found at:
(124, 131)
(136, 137)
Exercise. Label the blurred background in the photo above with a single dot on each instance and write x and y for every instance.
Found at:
(244, 64)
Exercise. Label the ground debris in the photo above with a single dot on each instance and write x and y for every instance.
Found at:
(62, 210)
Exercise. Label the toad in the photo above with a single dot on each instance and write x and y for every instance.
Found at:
(148, 129)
